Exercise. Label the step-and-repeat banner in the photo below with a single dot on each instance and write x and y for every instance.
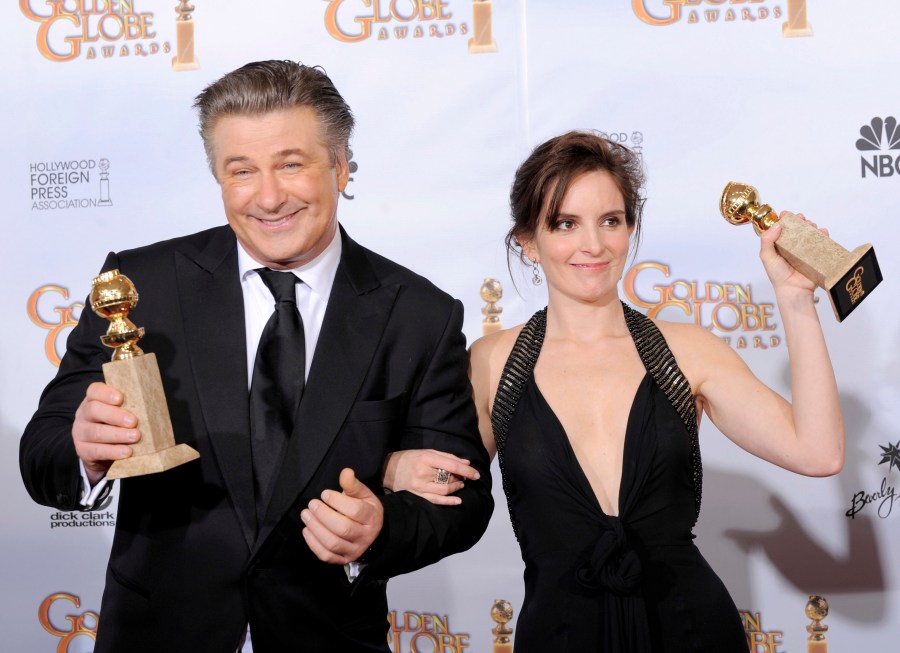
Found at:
(799, 99)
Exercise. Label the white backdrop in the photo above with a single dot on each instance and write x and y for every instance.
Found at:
(707, 90)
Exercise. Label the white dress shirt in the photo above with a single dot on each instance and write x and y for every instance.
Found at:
(313, 291)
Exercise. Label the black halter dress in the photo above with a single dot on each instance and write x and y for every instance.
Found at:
(595, 582)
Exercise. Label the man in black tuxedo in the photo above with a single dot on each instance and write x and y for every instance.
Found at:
(262, 532)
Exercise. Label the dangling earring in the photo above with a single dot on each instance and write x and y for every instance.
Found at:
(536, 273)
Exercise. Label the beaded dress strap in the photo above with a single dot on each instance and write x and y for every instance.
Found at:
(656, 357)
(518, 368)
(661, 364)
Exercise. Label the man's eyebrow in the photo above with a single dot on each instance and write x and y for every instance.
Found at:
(278, 155)
(235, 159)
(289, 152)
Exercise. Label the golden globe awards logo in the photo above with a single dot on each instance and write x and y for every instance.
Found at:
(759, 639)
(65, 317)
(352, 21)
(421, 632)
(70, 184)
(724, 307)
(661, 13)
(80, 631)
(92, 29)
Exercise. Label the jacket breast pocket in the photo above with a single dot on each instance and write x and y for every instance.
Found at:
(380, 410)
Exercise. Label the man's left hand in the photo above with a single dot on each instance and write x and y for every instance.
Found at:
(343, 525)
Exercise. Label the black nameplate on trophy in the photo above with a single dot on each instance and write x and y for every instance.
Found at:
(859, 281)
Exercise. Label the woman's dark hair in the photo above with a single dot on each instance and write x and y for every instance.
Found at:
(548, 172)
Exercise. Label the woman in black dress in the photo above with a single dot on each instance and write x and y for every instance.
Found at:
(593, 409)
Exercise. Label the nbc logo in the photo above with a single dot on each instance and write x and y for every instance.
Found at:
(878, 136)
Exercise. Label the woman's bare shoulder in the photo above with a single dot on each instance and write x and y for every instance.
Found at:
(494, 347)
(487, 358)
(698, 351)
(689, 338)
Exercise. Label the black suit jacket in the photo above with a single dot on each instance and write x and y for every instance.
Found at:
(187, 568)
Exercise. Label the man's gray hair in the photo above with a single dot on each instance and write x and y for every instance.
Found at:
(265, 86)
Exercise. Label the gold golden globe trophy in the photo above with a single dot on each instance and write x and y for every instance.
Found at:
(849, 277)
(796, 23)
(502, 614)
(184, 37)
(491, 292)
(816, 610)
(136, 375)
(482, 39)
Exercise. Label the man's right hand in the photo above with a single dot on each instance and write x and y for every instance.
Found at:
(103, 430)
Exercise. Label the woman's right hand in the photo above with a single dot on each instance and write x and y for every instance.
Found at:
(781, 273)
(418, 471)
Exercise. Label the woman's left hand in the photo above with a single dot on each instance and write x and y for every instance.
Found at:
(781, 273)
(433, 475)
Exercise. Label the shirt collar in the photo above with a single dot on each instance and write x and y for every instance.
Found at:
(318, 274)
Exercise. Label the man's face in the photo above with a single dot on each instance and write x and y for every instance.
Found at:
(279, 186)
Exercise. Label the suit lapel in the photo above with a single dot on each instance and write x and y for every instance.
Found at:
(212, 304)
(358, 310)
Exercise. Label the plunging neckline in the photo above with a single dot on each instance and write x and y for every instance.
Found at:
(631, 582)
(626, 450)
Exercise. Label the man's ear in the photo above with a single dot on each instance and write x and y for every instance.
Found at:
(343, 172)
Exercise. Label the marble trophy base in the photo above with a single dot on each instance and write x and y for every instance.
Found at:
(789, 31)
(482, 39)
(186, 65)
(184, 42)
(848, 276)
(482, 48)
(139, 381)
(491, 326)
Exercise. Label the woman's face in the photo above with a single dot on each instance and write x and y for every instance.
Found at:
(583, 250)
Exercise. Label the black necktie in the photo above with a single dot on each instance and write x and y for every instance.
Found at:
(277, 384)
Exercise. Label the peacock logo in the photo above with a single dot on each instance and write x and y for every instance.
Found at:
(880, 134)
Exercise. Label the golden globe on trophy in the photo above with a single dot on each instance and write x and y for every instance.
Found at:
(502, 614)
(482, 39)
(849, 277)
(136, 375)
(796, 23)
(816, 610)
(491, 292)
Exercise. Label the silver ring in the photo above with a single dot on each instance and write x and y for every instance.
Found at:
(441, 476)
